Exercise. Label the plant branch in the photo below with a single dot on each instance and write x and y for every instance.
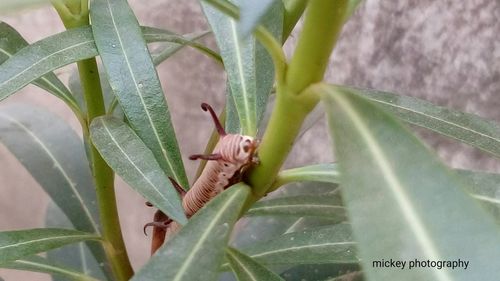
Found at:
(102, 174)
(323, 22)
(322, 25)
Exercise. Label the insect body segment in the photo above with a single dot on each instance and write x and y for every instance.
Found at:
(231, 157)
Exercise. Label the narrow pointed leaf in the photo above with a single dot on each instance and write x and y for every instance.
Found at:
(22, 243)
(249, 68)
(247, 269)
(318, 173)
(75, 256)
(253, 229)
(53, 52)
(178, 42)
(132, 160)
(196, 252)
(399, 195)
(134, 80)
(53, 154)
(464, 127)
(251, 12)
(39, 264)
(302, 206)
(10, 43)
(332, 244)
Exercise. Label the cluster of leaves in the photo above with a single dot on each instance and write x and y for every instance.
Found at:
(396, 200)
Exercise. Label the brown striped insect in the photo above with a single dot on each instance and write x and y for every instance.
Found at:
(231, 157)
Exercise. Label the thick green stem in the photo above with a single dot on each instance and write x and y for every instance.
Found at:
(322, 25)
(323, 22)
(74, 13)
(103, 176)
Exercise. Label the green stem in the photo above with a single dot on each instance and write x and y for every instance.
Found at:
(322, 25)
(103, 176)
(323, 22)
(74, 13)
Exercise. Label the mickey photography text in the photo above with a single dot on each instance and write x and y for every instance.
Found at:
(416, 263)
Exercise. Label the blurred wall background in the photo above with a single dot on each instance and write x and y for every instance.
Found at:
(447, 52)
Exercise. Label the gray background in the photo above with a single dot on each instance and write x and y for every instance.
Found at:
(446, 52)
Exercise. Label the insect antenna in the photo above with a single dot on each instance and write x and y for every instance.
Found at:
(218, 126)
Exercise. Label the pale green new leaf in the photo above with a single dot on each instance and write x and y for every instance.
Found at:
(133, 78)
(39, 264)
(402, 202)
(247, 269)
(10, 43)
(132, 160)
(318, 173)
(196, 252)
(331, 244)
(248, 65)
(17, 244)
(464, 127)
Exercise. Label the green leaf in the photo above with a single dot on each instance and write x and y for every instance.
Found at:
(10, 43)
(46, 55)
(464, 127)
(484, 187)
(332, 244)
(177, 42)
(247, 269)
(132, 160)
(351, 276)
(39, 264)
(303, 205)
(13, 5)
(251, 12)
(53, 154)
(41, 142)
(134, 80)
(76, 256)
(22, 243)
(403, 203)
(196, 252)
(324, 272)
(254, 229)
(249, 67)
(317, 173)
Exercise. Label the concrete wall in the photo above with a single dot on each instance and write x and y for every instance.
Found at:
(444, 51)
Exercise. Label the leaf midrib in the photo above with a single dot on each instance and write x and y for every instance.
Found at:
(401, 198)
(160, 143)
